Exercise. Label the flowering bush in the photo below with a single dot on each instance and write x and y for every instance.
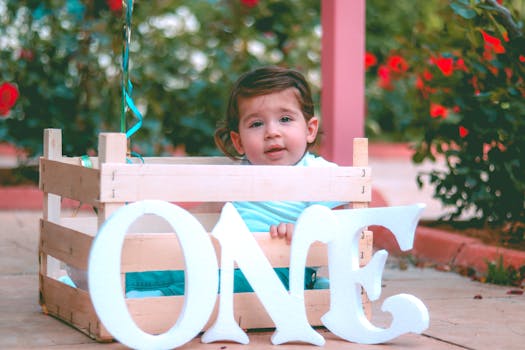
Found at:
(464, 86)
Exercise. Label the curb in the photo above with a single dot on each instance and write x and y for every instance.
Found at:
(449, 250)
(435, 246)
(21, 198)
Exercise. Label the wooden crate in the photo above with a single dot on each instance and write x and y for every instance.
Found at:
(199, 183)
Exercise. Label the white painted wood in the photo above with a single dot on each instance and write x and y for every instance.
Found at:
(53, 151)
(112, 148)
(51, 209)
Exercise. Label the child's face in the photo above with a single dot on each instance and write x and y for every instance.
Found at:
(272, 129)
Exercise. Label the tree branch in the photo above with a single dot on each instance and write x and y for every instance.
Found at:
(508, 21)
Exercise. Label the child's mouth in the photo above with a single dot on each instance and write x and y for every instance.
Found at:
(274, 150)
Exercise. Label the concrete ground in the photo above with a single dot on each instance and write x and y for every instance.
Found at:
(463, 314)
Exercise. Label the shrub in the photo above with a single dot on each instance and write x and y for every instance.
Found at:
(460, 95)
(482, 85)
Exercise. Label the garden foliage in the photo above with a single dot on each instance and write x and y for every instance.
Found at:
(455, 85)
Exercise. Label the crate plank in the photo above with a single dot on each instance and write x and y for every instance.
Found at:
(137, 250)
(73, 306)
(65, 244)
(72, 247)
(212, 183)
(157, 315)
(70, 181)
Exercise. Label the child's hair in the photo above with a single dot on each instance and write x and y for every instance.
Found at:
(261, 81)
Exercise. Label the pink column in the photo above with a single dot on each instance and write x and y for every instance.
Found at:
(343, 79)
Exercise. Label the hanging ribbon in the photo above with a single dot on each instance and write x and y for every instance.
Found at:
(127, 87)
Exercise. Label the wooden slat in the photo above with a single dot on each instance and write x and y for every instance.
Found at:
(78, 161)
(250, 314)
(51, 208)
(65, 244)
(72, 247)
(52, 150)
(112, 148)
(212, 183)
(70, 181)
(157, 315)
(158, 160)
(73, 306)
(137, 254)
(185, 160)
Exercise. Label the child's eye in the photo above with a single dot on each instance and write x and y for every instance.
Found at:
(255, 124)
(286, 119)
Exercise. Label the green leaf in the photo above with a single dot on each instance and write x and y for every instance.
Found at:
(463, 10)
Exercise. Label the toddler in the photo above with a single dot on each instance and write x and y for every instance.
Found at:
(269, 121)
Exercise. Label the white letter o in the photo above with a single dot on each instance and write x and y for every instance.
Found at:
(201, 276)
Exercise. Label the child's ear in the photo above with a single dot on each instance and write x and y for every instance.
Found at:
(312, 127)
(237, 143)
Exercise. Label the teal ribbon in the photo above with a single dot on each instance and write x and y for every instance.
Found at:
(86, 161)
(127, 87)
(134, 110)
(136, 155)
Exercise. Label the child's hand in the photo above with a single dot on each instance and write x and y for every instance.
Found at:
(283, 230)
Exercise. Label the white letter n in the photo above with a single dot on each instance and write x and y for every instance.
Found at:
(285, 309)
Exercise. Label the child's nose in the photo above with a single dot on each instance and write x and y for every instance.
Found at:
(272, 130)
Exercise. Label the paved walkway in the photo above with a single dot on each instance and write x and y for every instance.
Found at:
(463, 314)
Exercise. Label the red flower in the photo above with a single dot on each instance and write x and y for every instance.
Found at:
(445, 65)
(460, 64)
(397, 64)
(493, 70)
(419, 83)
(522, 58)
(463, 132)
(115, 5)
(250, 3)
(427, 75)
(475, 85)
(8, 96)
(508, 72)
(385, 79)
(26, 54)
(492, 43)
(437, 110)
(488, 54)
(370, 60)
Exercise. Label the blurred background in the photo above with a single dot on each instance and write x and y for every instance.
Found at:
(444, 76)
